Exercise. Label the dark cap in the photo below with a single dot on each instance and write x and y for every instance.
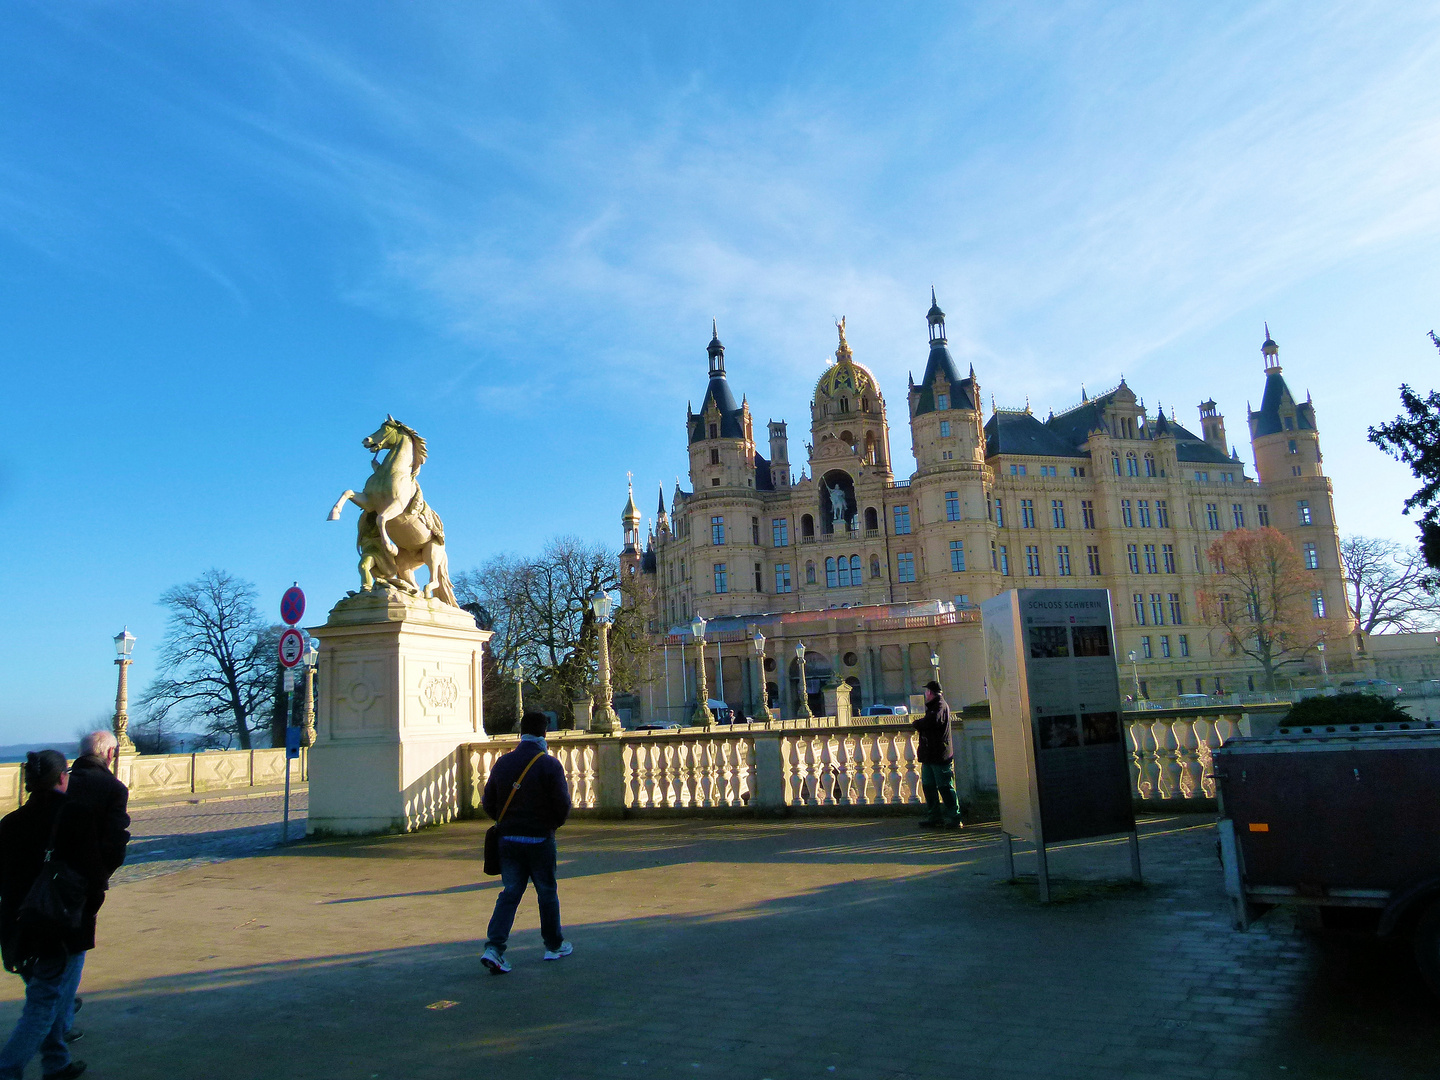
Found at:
(933, 687)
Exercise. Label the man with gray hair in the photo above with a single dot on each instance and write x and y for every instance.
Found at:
(94, 785)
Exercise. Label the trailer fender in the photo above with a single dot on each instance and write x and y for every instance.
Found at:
(1406, 904)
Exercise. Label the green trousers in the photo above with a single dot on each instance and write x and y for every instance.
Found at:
(938, 784)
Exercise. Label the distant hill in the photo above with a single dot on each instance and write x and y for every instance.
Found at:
(18, 751)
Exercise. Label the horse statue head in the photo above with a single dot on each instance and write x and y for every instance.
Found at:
(391, 435)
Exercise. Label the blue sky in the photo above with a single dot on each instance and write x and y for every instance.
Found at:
(233, 236)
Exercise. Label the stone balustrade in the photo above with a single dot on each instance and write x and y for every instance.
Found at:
(151, 775)
(1170, 749)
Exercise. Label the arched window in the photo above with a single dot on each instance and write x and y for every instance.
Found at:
(1132, 467)
(810, 573)
(1149, 464)
(874, 566)
(865, 404)
(872, 519)
(844, 405)
(1115, 460)
(807, 529)
(856, 575)
(832, 576)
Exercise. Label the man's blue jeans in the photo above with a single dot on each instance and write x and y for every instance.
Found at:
(49, 995)
(519, 864)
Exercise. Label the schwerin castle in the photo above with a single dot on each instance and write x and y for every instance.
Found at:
(880, 577)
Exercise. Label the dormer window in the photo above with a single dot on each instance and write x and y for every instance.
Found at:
(942, 401)
(1289, 423)
(714, 430)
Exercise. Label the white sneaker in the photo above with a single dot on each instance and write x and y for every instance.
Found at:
(497, 964)
(565, 949)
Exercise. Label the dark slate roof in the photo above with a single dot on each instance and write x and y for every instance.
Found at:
(1277, 396)
(647, 561)
(962, 391)
(1023, 434)
(1197, 450)
(763, 480)
(731, 424)
(1074, 427)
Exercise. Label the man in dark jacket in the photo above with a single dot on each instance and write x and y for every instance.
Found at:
(48, 958)
(533, 784)
(937, 772)
(94, 785)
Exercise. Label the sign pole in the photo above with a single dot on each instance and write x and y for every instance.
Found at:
(292, 652)
(285, 839)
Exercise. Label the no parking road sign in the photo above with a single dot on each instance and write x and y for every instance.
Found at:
(292, 605)
(292, 647)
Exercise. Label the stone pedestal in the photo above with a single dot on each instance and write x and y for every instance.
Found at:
(837, 701)
(401, 692)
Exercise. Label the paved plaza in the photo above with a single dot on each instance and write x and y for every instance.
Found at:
(786, 949)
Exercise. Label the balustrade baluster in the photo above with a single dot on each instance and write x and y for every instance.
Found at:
(629, 771)
(824, 772)
(1205, 741)
(912, 761)
(747, 775)
(790, 765)
(1168, 775)
(845, 757)
(1186, 760)
(730, 786)
(893, 792)
(1146, 773)
(702, 767)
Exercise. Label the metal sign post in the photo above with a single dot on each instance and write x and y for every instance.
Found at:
(292, 651)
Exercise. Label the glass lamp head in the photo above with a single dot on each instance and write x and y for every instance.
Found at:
(800, 651)
(600, 604)
(758, 643)
(697, 627)
(1131, 656)
(124, 644)
(312, 654)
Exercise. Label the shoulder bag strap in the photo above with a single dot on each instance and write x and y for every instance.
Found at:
(515, 790)
(54, 832)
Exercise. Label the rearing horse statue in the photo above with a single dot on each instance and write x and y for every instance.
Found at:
(398, 532)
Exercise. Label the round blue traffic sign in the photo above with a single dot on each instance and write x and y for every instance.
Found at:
(292, 605)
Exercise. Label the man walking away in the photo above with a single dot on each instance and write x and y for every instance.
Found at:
(48, 957)
(533, 783)
(937, 770)
(94, 785)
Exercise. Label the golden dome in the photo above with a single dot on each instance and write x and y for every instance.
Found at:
(845, 376)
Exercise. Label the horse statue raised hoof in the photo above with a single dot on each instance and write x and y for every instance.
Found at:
(398, 532)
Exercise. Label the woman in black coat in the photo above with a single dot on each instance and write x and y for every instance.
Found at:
(48, 959)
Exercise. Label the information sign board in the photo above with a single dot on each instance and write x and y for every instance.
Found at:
(292, 647)
(1055, 709)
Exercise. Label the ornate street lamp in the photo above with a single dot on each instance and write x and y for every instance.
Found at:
(803, 712)
(519, 691)
(702, 716)
(935, 665)
(603, 720)
(758, 644)
(1324, 669)
(1135, 671)
(124, 645)
(312, 658)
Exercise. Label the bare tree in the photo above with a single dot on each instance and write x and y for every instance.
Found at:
(1391, 589)
(1261, 598)
(218, 659)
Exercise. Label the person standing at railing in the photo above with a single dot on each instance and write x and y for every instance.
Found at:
(528, 797)
(937, 761)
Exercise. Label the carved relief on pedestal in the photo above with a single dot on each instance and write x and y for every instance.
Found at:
(439, 692)
(359, 697)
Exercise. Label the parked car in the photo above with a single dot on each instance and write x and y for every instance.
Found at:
(657, 725)
(1185, 701)
(1378, 687)
(886, 710)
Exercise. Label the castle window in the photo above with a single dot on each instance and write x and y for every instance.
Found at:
(1167, 555)
(1238, 512)
(717, 530)
(942, 401)
(832, 579)
(1132, 467)
(1087, 513)
(1138, 599)
(999, 514)
(952, 506)
(1212, 517)
(1115, 461)
(957, 555)
(1077, 471)
(844, 405)
(1293, 448)
(1185, 646)
(944, 429)
(1145, 653)
(714, 431)
(874, 566)
(1312, 556)
(782, 577)
(1032, 560)
(807, 529)
(872, 520)
(1125, 514)
(856, 578)
(1017, 470)
(1303, 509)
(1203, 477)
(1027, 514)
(1004, 561)
(1162, 513)
(721, 578)
(1092, 559)
(714, 456)
(780, 531)
(1062, 560)
(905, 566)
(1057, 513)
(1262, 511)
(1289, 423)
(810, 573)
(1132, 553)
(1144, 507)
(864, 404)
(902, 521)
(1317, 604)
(759, 582)
(1152, 566)
(1165, 646)
(1149, 465)
(714, 481)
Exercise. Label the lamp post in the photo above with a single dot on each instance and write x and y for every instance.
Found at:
(519, 691)
(1324, 669)
(758, 644)
(1135, 671)
(935, 665)
(124, 645)
(312, 658)
(803, 712)
(603, 720)
(702, 716)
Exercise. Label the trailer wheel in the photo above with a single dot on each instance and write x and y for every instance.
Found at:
(1427, 945)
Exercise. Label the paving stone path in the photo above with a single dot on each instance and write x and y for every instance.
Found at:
(787, 950)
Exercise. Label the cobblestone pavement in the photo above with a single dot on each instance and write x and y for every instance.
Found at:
(177, 835)
(803, 948)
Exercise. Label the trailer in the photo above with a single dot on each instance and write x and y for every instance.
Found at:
(1341, 822)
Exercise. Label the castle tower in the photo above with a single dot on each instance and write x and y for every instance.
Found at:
(946, 427)
(850, 437)
(1212, 426)
(779, 455)
(631, 553)
(1282, 432)
(722, 445)
(662, 519)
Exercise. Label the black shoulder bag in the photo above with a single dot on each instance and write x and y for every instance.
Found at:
(492, 834)
(56, 901)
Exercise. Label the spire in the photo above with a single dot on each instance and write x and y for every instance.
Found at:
(1083, 396)
(662, 501)
(630, 517)
(1271, 352)
(936, 318)
(842, 351)
(716, 351)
